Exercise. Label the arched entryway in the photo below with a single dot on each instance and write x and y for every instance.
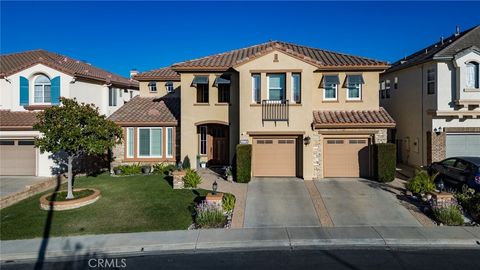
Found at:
(213, 142)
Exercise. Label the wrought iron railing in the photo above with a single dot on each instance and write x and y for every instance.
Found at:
(274, 110)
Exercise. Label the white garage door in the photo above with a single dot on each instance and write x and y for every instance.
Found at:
(17, 157)
(463, 145)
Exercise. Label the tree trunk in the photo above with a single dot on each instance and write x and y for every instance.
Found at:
(70, 178)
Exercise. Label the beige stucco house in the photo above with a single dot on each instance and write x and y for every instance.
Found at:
(434, 96)
(307, 112)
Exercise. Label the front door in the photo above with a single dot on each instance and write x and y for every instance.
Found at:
(218, 148)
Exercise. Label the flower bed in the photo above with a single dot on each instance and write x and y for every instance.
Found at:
(89, 196)
(209, 215)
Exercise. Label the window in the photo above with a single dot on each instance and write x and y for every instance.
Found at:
(382, 94)
(387, 93)
(112, 97)
(203, 140)
(42, 89)
(256, 88)
(169, 142)
(395, 83)
(169, 86)
(202, 93)
(152, 86)
(7, 142)
(296, 87)
(472, 75)
(354, 87)
(150, 142)
(387, 84)
(330, 83)
(449, 162)
(431, 81)
(131, 94)
(382, 85)
(224, 93)
(276, 86)
(130, 142)
(26, 142)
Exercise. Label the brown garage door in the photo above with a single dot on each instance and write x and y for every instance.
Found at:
(346, 157)
(274, 157)
(17, 157)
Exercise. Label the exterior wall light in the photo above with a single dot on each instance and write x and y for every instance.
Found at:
(437, 130)
(306, 140)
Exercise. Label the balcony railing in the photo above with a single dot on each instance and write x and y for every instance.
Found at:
(274, 110)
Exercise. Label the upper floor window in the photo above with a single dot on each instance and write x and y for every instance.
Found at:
(42, 89)
(112, 97)
(169, 87)
(395, 83)
(201, 83)
(472, 75)
(223, 86)
(296, 87)
(431, 81)
(256, 88)
(387, 84)
(354, 87)
(152, 86)
(276, 86)
(330, 83)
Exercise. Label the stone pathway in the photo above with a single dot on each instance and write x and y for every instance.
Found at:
(318, 203)
(237, 189)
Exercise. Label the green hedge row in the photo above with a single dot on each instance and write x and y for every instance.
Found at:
(244, 163)
(385, 157)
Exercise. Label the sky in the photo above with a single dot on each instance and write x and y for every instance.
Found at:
(119, 36)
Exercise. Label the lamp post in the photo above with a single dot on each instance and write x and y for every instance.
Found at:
(214, 188)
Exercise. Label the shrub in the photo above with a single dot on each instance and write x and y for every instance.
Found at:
(422, 182)
(209, 216)
(471, 204)
(385, 161)
(449, 215)
(192, 179)
(244, 163)
(129, 169)
(163, 169)
(186, 163)
(228, 202)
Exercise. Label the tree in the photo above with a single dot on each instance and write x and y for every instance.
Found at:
(75, 129)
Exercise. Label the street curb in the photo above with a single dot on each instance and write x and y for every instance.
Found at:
(242, 239)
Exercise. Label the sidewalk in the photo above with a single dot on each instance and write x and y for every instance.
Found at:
(259, 238)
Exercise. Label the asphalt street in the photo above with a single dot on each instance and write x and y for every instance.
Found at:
(330, 259)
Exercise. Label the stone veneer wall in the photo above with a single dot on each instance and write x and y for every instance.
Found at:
(379, 136)
(438, 146)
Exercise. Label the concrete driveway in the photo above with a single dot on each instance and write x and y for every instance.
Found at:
(279, 202)
(359, 202)
(14, 184)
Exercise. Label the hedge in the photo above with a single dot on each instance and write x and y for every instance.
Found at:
(244, 163)
(385, 161)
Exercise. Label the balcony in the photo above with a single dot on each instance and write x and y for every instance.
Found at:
(274, 111)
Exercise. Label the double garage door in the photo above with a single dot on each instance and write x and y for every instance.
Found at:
(17, 157)
(462, 145)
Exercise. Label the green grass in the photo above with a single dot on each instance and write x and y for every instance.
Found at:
(128, 204)
(62, 195)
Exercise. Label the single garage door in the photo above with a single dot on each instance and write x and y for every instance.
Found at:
(17, 157)
(463, 145)
(274, 157)
(346, 157)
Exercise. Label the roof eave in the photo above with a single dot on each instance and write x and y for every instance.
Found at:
(156, 78)
(144, 123)
(361, 125)
(353, 68)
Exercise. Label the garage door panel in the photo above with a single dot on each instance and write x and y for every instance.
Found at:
(18, 158)
(274, 157)
(462, 145)
(347, 157)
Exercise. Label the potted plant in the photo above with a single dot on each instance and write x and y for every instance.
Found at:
(203, 165)
(229, 174)
(146, 169)
(117, 170)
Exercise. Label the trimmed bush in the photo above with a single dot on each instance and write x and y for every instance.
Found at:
(422, 182)
(192, 179)
(385, 161)
(209, 216)
(129, 169)
(186, 163)
(163, 169)
(244, 163)
(228, 202)
(449, 215)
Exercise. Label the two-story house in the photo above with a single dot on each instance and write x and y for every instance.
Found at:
(34, 80)
(307, 112)
(434, 96)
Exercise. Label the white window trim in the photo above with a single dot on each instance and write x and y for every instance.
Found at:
(150, 88)
(476, 81)
(359, 93)
(130, 130)
(434, 81)
(43, 90)
(268, 84)
(200, 141)
(114, 91)
(167, 147)
(325, 92)
(387, 84)
(254, 101)
(292, 88)
(138, 142)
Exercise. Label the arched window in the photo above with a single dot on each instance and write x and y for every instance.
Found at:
(42, 89)
(472, 75)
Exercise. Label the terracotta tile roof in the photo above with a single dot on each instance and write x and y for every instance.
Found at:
(15, 62)
(148, 111)
(321, 58)
(364, 118)
(446, 49)
(161, 74)
(17, 120)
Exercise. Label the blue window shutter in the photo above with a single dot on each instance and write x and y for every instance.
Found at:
(23, 91)
(55, 90)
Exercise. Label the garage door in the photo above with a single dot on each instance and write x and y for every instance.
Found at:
(463, 145)
(346, 157)
(17, 157)
(274, 157)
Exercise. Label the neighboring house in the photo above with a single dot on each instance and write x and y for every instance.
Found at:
(434, 97)
(307, 112)
(34, 80)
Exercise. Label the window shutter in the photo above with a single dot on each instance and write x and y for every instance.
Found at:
(23, 91)
(55, 90)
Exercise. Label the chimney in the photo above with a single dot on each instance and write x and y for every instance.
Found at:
(441, 40)
(457, 31)
(133, 72)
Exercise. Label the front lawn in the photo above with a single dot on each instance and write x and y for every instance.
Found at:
(128, 204)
